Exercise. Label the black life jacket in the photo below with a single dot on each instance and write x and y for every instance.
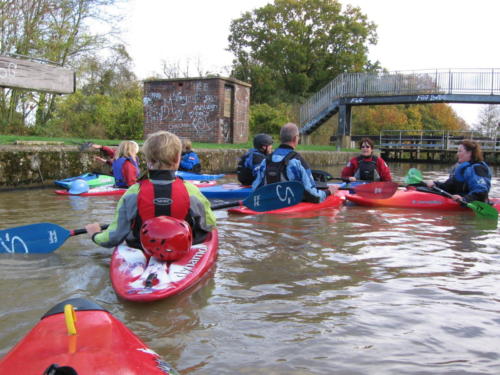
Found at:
(367, 169)
(246, 165)
(276, 171)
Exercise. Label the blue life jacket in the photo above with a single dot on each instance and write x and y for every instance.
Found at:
(118, 173)
(474, 173)
(471, 180)
(285, 164)
(190, 162)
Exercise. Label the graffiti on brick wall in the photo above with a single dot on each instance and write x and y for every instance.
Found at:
(225, 125)
(180, 111)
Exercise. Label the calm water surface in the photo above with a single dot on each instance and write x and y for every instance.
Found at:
(349, 291)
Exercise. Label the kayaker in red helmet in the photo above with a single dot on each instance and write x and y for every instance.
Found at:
(161, 194)
(166, 238)
(366, 167)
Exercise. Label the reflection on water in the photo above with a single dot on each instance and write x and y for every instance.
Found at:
(350, 291)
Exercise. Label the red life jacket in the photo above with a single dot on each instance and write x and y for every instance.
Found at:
(161, 200)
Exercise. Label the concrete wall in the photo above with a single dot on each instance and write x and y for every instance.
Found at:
(31, 166)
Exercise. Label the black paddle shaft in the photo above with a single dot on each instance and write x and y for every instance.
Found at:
(76, 232)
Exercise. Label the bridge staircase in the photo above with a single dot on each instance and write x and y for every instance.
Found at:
(480, 86)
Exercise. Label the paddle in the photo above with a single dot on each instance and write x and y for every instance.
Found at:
(270, 197)
(375, 190)
(370, 190)
(42, 238)
(85, 146)
(413, 177)
(323, 176)
(482, 209)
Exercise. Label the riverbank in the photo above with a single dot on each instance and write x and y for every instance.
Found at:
(28, 166)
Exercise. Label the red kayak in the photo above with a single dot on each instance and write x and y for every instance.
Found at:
(101, 190)
(413, 198)
(137, 278)
(332, 201)
(111, 190)
(203, 183)
(80, 335)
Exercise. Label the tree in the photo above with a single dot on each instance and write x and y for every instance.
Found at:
(189, 68)
(106, 75)
(267, 119)
(371, 120)
(48, 30)
(108, 102)
(293, 48)
(489, 120)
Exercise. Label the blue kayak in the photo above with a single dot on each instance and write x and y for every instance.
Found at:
(198, 176)
(93, 179)
(226, 191)
(236, 191)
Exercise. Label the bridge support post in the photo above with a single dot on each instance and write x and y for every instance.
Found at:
(344, 127)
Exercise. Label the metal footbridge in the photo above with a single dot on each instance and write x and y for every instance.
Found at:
(480, 86)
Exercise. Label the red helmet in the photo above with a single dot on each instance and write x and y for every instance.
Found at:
(166, 238)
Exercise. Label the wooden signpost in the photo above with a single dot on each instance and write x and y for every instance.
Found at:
(26, 74)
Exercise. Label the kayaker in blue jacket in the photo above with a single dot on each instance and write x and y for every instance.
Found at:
(190, 161)
(161, 194)
(470, 179)
(285, 164)
(262, 146)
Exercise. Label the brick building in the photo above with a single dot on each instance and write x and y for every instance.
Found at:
(211, 110)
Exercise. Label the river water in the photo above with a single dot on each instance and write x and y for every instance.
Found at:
(349, 291)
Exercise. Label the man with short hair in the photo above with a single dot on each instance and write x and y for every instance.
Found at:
(285, 164)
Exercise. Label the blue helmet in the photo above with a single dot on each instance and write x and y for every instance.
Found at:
(78, 186)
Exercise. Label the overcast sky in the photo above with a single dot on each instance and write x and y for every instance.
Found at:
(412, 35)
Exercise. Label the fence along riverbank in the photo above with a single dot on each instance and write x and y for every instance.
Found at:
(433, 145)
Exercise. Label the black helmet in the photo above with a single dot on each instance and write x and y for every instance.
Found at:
(261, 140)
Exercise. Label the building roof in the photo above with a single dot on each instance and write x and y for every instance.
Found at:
(233, 80)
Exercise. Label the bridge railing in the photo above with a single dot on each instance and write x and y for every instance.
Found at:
(425, 140)
(464, 81)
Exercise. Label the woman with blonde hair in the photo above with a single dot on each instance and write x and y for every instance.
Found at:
(126, 164)
(161, 194)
